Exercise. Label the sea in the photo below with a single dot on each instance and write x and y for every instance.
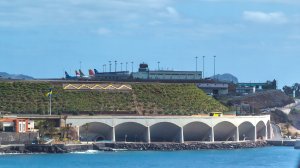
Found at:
(271, 157)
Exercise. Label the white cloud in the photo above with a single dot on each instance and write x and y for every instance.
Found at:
(262, 17)
(70, 11)
(103, 31)
(172, 12)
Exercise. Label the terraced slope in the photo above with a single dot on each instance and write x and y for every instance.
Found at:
(175, 99)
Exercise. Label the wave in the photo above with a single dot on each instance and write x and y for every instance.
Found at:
(86, 152)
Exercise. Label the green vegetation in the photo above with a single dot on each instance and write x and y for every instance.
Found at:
(173, 99)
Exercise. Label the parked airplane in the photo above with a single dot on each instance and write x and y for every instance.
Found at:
(80, 75)
(67, 76)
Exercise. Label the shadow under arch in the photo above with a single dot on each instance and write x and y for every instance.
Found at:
(261, 130)
(246, 131)
(165, 132)
(131, 132)
(197, 131)
(225, 131)
(95, 131)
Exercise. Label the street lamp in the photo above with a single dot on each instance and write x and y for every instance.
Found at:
(109, 66)
(203, 66)
(158, 65)
(196, 64)
(214, 66)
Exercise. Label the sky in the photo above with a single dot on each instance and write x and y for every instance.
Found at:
(255, 40)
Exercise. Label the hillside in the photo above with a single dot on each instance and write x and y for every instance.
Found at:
(175, 99)
(262, 100)
(5, 75)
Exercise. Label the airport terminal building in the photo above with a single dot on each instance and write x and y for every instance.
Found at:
(145, 74)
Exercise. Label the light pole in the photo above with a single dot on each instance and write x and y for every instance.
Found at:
(126, 65)
(109, 66)
(158, 65)
(196, 64)
(121, 66)
(203, 65)
(132, 66)
(115, 66)
(214, 66)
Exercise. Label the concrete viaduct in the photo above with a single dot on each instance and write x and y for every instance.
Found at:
(171, 128)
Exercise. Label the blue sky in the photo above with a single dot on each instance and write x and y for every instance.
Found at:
(256, 40)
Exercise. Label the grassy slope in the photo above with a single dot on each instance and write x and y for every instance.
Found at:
(26, 97)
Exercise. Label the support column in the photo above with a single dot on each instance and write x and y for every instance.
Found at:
(113, 134)
(78, 133)
(237, 134)
(148, 135)
(266, 132)
(255, 134)
(181, 135)
(212, 135)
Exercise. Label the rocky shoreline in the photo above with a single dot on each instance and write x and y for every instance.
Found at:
(61, 148)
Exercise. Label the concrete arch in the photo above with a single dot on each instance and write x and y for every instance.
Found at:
(165, 132)
(225, 131)
(131, 132)
(261, 130)
(95, 131)
(246, 131)
(197, 131)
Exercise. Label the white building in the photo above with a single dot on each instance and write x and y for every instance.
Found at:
(145, 74)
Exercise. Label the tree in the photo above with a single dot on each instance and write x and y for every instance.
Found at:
(288, 90)
(296, 88)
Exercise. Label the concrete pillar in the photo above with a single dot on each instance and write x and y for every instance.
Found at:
(255, 133)
(212, 136)
(237, 134)
(78, 133)
(113, 134)
(148, 135)
(181, 135)
(266, 132)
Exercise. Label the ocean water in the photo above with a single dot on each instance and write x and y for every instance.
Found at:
(274, 157)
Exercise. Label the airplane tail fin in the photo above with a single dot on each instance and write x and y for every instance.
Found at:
(67, 75)
(91, 72)
(81, 73)
(96, 71)
(77, 73)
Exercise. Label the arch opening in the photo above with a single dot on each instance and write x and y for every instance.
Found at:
(197, 131)
(261, 130)
(95, 131)
(165, 132)
(131, 132)
(225, 131)
(246, 131)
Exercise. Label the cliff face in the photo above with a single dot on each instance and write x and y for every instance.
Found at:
(144, 99)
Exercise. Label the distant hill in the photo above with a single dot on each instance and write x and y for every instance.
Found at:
(226, 78)
(4, 75)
